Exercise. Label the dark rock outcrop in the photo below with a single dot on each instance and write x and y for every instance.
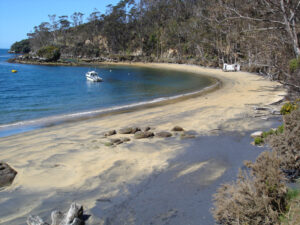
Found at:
(110, 133)
(116, 141)
(129, 130)
(163, 134)
(177, 128)
(141, 134)
(135, 129)
(7, 174)
(125, 139)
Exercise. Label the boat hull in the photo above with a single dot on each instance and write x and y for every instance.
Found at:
(94, 79)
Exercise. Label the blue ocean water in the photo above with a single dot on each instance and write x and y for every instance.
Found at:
(36, 92)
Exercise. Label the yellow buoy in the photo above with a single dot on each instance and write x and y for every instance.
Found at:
(14, 71)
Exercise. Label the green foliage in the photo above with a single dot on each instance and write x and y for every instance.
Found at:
(288, 107)
(292, 194)
(292, 213)
(294, 64)
(280, 129)
(50, 53)
(268, 133)
(258, 141)
(21, 46)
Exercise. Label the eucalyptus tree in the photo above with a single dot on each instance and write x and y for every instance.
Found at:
(266, 15)
(115, 26)
(64, 23)
(40, 36)
(54, 27)
(77, 18)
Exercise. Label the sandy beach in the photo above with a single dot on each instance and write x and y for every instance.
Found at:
(70, 162)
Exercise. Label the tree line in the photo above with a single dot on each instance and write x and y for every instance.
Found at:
(262, 35)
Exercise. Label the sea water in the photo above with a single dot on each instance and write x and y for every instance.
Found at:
(37, 93)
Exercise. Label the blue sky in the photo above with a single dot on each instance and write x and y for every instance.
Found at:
(18, 17)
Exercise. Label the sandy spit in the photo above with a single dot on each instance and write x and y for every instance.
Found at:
(68, 162)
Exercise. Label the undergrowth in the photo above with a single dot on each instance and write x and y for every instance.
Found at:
(260, 195)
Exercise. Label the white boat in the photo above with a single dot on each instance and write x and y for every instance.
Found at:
(93, 76)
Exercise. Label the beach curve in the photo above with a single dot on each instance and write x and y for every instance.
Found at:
(69, 158)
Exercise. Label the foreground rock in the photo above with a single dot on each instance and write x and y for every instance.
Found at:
(7, 174)
(141, 134)
(110, 133)
(116, 141)
(163, 134)
(125, 139)
(129, 130)
(177, 128)
(72, 217)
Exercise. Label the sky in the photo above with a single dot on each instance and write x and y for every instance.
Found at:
(18, 17)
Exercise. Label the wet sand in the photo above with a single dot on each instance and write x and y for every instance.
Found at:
(138, 182)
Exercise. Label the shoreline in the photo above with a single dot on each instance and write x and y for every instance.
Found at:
(30, 125)
(69, 161)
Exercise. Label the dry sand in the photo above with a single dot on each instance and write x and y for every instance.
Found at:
(68, 162)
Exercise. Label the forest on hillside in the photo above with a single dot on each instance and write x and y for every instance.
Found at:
(261, 35)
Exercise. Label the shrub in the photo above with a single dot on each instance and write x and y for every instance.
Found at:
(294, 65)
(266, 134)
(50, 53)
(292, 214)
(280, 129)
(287, 144)
(258, 141)
(257, 197)
(292, 194)
(21, 46)
(288, 108)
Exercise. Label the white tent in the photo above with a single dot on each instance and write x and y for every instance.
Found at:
(231, 67)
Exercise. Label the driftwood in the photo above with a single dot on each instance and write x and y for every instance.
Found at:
(35, 220)
(72, 217)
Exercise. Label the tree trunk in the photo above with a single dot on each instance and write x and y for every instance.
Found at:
(290, 27)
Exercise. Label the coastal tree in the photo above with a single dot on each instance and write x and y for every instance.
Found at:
(21, 46)
(64, 23)
(77, 18)
(54, 26)
(266, 15)
(94, 16)
(116, 26)
(40, 36)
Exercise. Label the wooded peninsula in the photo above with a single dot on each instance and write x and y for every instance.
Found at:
(261, 35)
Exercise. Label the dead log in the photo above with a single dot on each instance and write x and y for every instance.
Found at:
(35, 220)
(72, 217)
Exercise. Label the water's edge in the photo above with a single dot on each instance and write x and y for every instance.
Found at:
(26, 126)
